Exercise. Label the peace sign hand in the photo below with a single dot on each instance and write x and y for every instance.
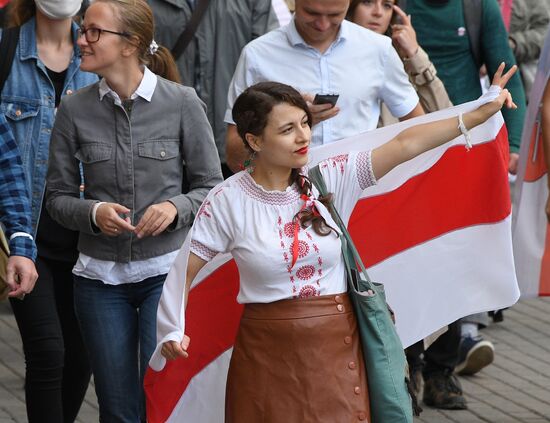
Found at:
(500, 80)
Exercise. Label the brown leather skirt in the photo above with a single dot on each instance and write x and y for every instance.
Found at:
(298, 361)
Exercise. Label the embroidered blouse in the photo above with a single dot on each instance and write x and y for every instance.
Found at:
(256, 227)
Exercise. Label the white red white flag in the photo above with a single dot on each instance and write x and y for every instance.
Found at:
(531, 234)
(436, 231)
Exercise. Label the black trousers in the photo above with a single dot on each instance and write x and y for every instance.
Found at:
(441, 356)
(57, 368)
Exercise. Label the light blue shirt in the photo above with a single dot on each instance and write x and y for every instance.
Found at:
(360, 65)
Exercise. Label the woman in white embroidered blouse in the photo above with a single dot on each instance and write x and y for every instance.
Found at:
(287, 249)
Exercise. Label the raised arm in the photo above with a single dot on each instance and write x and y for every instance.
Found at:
(172, 349)
(421, 138)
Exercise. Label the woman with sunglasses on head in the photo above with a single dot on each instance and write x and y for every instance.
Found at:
(136, 133)
(297, 355)
(45, 68)
(387, 18)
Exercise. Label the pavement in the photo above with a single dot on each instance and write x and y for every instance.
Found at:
(514, 389)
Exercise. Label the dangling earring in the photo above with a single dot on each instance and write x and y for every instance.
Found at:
(247, 165)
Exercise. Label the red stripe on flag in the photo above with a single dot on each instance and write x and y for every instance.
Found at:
(214, 317)
(462, 189)
(544, 282)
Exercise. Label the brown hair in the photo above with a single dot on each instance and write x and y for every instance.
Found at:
(251, 113)
(20, 11)
(353, 5)
(136, 19)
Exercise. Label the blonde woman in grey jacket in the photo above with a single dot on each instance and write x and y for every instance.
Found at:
(137, 136)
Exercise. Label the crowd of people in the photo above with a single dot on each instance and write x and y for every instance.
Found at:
(119, 117)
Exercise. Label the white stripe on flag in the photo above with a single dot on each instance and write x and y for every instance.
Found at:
(529, 235)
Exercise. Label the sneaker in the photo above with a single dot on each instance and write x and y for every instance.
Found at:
(473, 355)
(443, 390)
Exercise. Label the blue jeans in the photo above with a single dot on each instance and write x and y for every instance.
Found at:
(118, 324)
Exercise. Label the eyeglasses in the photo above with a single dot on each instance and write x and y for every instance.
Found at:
(92, 34)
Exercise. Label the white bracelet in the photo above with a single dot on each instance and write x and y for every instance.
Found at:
(465, 132)
(23, 234)
(94, 211)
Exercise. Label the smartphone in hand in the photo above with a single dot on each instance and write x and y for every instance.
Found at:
(326, 98)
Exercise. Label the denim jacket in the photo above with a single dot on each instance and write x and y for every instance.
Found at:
(28, 102)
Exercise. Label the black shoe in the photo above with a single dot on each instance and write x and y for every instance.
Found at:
(473, 355)
(443, 390)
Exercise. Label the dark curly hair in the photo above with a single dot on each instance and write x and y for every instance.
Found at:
(251, 113)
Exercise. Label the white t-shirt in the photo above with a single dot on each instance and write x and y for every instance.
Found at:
(360, 65)
(255, 226)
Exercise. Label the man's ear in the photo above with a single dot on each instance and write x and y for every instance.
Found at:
(253, 141)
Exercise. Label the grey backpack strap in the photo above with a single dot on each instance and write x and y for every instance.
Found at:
(473, 16)
(187, 35)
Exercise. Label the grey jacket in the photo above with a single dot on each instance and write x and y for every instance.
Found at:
(135, 160)
(528, 27)
(210, 59)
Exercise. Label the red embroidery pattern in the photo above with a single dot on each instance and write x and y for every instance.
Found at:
(289, 229)
(306, 272)
(202, 210)
(303, 249)
(202, 250)
(276, 198)
(365, 176)
(308, 291)
(339, 161)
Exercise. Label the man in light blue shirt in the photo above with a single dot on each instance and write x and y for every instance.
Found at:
(320, 52)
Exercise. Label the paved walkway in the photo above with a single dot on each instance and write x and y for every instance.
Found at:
(514, 389)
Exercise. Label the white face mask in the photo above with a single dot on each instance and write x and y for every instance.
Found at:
(59, 9)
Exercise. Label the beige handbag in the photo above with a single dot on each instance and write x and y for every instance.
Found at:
(4, 255)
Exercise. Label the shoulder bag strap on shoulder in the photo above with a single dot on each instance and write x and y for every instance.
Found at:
(348, 247)
(187, 35)
(8, 45)
(473, 15)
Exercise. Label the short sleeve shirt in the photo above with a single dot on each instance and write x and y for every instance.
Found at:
(360, 65)
(256, 227)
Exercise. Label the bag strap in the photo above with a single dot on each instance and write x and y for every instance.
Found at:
(187, 35)
(8, 45)
(4, 247)
(349, 251)
(473, 15)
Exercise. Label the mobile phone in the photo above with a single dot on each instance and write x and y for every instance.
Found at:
(326, 98)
